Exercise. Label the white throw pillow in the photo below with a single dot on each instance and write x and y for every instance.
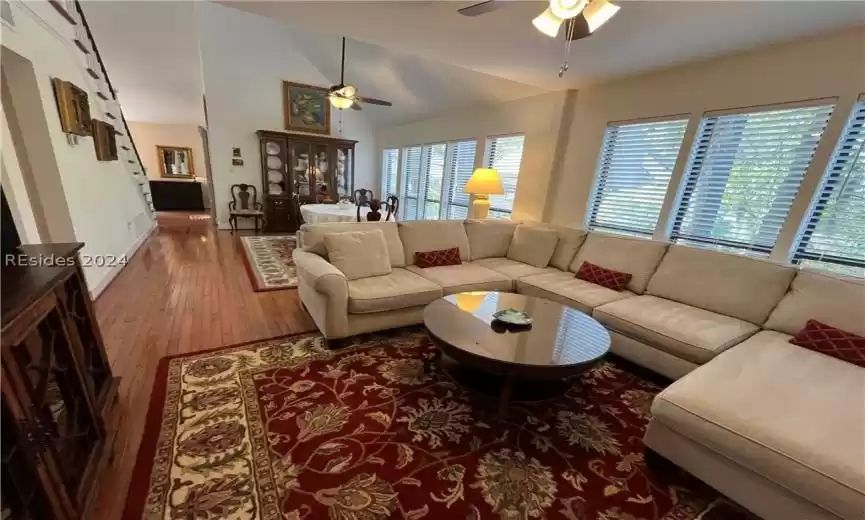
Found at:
(358, 254)
(533, 245)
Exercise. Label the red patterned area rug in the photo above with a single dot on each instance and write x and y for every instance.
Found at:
(288, 429)
(269, 262)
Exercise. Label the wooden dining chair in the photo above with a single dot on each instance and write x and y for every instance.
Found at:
(362, 196)
(392, 205)
(244, 204)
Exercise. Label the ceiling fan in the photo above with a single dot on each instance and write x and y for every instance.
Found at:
(345, 96)
(580, 17)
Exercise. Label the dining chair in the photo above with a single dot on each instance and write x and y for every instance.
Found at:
(392, 205)
(362, 196)
(246, 195)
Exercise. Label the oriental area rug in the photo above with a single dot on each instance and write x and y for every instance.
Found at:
(269, 262)
(289, 429)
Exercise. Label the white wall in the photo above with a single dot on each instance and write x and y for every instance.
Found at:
(538, 117)
(245, 58)
(106, 209)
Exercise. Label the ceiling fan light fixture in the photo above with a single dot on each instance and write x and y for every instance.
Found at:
(599, 12)
(339, 102)
(565, 9)
(548, 23)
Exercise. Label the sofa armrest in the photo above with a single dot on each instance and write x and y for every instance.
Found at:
(324, 291)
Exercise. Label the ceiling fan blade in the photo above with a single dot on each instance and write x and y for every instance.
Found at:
(480, 8)
(356, 106)
(374, 101)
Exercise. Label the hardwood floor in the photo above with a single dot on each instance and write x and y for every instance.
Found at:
(186, 290)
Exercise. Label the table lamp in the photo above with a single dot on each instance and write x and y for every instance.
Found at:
(484, 182)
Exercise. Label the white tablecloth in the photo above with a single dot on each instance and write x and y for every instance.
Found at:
(316, 213)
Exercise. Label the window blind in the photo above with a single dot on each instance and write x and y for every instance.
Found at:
(833, 236)
(411, 182)
(505, 153)
(743, 174)
(633, 173)
(460, 168)
(433, 176)
(390, 162)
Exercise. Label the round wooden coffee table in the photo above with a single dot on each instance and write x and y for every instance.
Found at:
(562, 342)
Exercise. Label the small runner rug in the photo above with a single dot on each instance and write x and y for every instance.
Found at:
(269, 262)
(290, 430)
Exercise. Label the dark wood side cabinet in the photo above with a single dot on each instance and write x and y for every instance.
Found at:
(312, 168)
(57, 387)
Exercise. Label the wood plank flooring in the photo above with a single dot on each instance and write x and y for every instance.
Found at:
(186, 290)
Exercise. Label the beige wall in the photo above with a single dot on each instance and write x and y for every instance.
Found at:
(538, 117)
(148, 136)
(828, 66)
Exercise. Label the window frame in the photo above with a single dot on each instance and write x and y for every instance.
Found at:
(487, 162)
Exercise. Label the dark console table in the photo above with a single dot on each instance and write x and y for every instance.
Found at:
(176, 196)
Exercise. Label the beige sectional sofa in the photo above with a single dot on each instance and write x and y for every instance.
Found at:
(777, 428)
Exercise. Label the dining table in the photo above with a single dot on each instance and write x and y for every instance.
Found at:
(317, 213)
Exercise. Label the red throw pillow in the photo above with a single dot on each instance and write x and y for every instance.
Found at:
(438, 258)
(604, 277)
(831, 341)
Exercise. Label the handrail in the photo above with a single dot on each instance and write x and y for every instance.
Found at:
(108, 80)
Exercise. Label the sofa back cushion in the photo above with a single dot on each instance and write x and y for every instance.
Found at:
(533, 245)
(489, 238)
(432, 235)
(636, 256)
(733, 285)
(311, 237)
(833, 300)
(358, 254)
(570, 240)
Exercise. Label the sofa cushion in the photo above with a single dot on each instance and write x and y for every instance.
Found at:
(690, 333)
(739, 286)
(489, 238)
(311, 237)
(510, 268)
(788, 414)
(463, 278)
(831, 341)
(564, 288)
(398, 290)
(570, 240)
(604, 277)
(835, 300)
(637, 256)
(533, 245)
(438, 258)
(430, 235)
(358, 254)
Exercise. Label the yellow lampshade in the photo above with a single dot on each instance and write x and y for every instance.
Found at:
(484, 181)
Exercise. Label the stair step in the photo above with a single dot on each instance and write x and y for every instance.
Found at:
(62, 10)
(83, 48)
(102, 96)
(92, 73)
(125, 148)
(110, 115)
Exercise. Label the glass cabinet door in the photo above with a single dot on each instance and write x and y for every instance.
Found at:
(274, 162)
(325, 190)
(299, 162)
(344, 172)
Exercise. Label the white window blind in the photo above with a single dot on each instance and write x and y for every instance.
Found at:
(505, 153)
(433, 176)
(411, 182)
(833, 236)
(633, 173)
(460, 168)
(743, 174)
(390, 163)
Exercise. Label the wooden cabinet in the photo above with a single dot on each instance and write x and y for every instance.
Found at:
(308, 167)
(57, 389)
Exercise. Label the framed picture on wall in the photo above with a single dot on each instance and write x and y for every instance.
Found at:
(307, 108)
(104, 140)
(73, 106)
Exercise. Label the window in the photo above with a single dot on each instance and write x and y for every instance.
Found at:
(634, 170)
(504, 153)
(460, 168)
(743, 174)
(833, 236)
(433, 176)
(411, 182)
(389, 164)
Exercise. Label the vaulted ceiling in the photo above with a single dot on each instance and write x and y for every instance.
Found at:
(428, 59)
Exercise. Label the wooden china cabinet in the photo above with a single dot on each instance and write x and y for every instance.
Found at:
(57, 388)
(312, 168)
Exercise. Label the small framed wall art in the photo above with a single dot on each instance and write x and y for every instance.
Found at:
(74, 107)
(104, 140)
